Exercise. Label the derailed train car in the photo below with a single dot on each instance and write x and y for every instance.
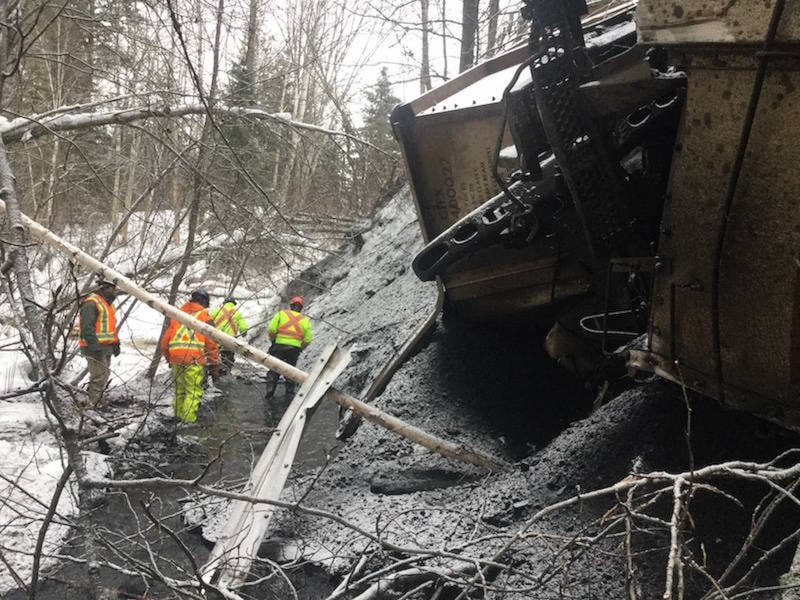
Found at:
(629, 175)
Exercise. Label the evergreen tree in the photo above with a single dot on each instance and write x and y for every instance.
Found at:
(378, 172)
(380, 102)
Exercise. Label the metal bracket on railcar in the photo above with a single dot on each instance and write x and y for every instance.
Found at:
(514, 222)
(595, 182)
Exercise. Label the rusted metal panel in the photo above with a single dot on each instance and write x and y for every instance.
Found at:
(497, 282)
(448, 137)
(500, 305)
(452, 156)
(666, 22)
(758, 265)
(715, 106)
(454, 165)
(759, 271)
(449, 140)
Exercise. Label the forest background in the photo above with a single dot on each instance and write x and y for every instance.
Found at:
(251, 117)
(182, 141)
(188, 141)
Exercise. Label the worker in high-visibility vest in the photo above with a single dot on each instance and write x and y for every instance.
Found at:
(98, 338)
(228, 319)
(189, 353)
(290, 331)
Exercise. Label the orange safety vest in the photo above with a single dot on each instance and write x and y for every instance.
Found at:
(106, 325)
(291, 328)
(187, 347)
(226, 315)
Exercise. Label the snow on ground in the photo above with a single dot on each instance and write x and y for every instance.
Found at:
(31, 469)
(366, 296)
(35, 464)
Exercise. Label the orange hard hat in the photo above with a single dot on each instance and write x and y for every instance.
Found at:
(297, 300)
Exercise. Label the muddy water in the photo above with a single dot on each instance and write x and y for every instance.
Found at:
(234, 428)
(231, 431)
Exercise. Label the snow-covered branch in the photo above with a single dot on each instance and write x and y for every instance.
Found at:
(29, 127)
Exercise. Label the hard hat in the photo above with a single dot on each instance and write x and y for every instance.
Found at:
(231, 300)
(104, 281)
(200, 295)
(296, 300)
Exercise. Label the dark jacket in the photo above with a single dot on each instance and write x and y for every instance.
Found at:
(89, 314)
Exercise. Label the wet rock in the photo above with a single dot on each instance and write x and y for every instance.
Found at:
(414, 480)
(520, 508)
(498, 519)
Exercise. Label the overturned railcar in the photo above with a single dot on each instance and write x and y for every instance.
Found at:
(629, 175)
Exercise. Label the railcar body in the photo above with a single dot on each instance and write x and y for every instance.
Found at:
(629, 173)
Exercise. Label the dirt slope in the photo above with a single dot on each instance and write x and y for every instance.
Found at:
(496, 392)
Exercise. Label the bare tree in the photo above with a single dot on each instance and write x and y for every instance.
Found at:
(424, 69)
(469, 28)
(108, 135)
(493, 18)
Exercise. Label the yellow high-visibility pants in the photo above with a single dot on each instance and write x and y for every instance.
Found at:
(188, 391)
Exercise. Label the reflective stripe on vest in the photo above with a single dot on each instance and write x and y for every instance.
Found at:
(106, 326)
(186, 339)
(291, 328)
(223, 316)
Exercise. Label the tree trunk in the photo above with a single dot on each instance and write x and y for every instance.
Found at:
(444, 41)
(425, 64)
(52, 181)
(116, 209)
(176, 191)
(278, 170)
(469, 27)
(116, 190)
(251, 47)
(5, 43)
(299, 108)
(494, 16)
(17, 234)
(127, 199)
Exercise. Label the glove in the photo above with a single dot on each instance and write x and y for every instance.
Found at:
(116, 349)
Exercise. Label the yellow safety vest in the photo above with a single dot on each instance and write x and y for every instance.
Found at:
(224, 316)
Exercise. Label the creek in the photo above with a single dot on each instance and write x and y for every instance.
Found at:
(146, 531)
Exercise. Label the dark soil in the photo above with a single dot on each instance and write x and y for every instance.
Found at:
(495, 391)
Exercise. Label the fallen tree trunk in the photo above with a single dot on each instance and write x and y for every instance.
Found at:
(410, 432)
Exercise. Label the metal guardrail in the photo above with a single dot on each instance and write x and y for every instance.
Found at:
(231, 558)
